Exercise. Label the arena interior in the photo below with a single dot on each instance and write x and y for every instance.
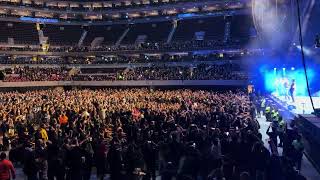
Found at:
(159, 89)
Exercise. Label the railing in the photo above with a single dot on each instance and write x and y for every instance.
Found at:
(122, 64)
(240, 83)
(161, 18)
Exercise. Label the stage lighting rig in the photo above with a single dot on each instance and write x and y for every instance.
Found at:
(274, 21)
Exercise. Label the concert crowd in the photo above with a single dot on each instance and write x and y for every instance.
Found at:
(152, 46)
(116, 59)
(140, 134)
(199, 72)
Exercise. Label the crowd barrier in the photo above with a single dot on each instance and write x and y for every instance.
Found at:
(309, 126)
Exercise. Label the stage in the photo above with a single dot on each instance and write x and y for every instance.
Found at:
(302, 104)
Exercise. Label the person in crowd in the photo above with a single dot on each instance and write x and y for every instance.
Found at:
(281, 130)
(260, 160)
(298, 151)
(268, 113)
(273, 134)
(63, 119)
(263, 105)
(291, 133)
(30, 167)
(42, 166)
(56, 166)
(7, 171)
(101, 155)
(43, 135)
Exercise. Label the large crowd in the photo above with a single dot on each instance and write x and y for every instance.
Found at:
(199, 72)
(22, 74)
(112, 59)
(150, 46)
(138, 134)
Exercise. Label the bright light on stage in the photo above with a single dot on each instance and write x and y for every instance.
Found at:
(275, 81)
(275, 76)
(278, 84)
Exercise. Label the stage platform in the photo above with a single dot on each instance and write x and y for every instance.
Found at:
(302, 104)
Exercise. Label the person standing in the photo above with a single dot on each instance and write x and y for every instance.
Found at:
(273, 135)
(42, 133)
(30, 166)
(298, 151)
(286, 89)
(281, 130)
(292, 89)
(6, 168)
(263, 105)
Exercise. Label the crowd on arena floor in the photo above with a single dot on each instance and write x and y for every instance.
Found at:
(200, 72)
(136, 133)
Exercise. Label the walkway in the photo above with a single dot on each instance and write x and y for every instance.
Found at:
(307, 168)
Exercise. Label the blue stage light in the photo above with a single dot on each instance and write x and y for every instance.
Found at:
(272, 79)
(274, 82)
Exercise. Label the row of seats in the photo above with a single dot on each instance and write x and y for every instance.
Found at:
(210, 28)
(20, 32)
(68, 35)
(213, 28)
(91, 5)
(109, 33)
(155, 32)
